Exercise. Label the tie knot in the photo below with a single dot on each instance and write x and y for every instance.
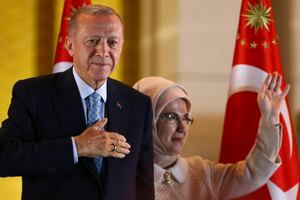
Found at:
(93, 98)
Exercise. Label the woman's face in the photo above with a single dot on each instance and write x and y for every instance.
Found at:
(173, 126)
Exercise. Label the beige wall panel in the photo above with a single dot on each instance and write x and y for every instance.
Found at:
(205, 137)
(206, 47)
(295, 61)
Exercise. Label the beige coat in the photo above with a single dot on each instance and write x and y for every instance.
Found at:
(197, 178)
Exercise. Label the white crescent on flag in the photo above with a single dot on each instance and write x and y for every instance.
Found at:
(250, 78)
(278, 194)
(62, 66)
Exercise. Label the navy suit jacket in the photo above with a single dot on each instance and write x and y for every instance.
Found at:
(35, 142)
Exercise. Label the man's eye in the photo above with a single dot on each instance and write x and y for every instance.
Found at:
(112, 43)
(92, 42)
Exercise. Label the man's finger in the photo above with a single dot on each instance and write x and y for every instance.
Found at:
(116, 136)
(99, 125)
(121, 138)
(124, 145)
(119, 155)
(122, 150)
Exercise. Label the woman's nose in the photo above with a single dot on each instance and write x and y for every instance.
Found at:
(182, 125)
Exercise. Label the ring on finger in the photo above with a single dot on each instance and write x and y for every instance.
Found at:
(114, 147)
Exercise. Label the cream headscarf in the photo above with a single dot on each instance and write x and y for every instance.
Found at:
(162, 92)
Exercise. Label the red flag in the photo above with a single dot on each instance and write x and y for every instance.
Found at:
(63, 60)
(256, 54)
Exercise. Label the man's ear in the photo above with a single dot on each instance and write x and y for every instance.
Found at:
(69, 46)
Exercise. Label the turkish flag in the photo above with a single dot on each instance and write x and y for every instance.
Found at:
(256, 54)
(62, 59)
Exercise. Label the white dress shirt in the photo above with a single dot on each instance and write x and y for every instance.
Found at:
(85, 90)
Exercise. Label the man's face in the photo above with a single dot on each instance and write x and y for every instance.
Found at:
(95, 45)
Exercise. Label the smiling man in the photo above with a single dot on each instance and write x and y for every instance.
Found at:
(80, 134)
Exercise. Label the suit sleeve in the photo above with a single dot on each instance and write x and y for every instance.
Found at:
(22, 150)
(145, 186)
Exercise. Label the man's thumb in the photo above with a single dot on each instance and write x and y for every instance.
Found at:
(99, 125)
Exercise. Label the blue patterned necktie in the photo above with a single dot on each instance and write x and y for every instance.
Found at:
(95, 111)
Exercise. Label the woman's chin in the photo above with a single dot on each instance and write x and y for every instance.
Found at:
(177, 148)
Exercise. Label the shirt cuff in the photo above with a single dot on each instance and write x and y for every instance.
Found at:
(75, 154)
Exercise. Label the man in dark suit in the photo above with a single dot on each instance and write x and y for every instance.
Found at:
(67, 144)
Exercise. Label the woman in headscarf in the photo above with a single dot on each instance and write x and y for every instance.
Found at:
(192, 178)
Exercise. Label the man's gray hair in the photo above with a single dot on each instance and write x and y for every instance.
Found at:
(91, 10)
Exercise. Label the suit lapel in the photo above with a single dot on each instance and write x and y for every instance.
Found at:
(69, 109)
(68, 105)
(117, 109)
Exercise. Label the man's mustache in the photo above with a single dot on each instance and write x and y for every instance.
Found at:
(101, 60)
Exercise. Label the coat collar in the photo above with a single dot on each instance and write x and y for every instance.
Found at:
(85, 90)
(178, 171)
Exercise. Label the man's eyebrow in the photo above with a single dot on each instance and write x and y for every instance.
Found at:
(114, 37)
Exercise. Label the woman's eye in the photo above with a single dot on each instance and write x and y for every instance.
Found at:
(171, 117)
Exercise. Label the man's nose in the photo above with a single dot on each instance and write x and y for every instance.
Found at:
(102, 49)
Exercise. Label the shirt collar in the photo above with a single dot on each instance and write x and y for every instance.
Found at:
(85, 90)
(178, 171)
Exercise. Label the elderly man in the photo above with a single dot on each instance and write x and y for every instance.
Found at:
(80, 134)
